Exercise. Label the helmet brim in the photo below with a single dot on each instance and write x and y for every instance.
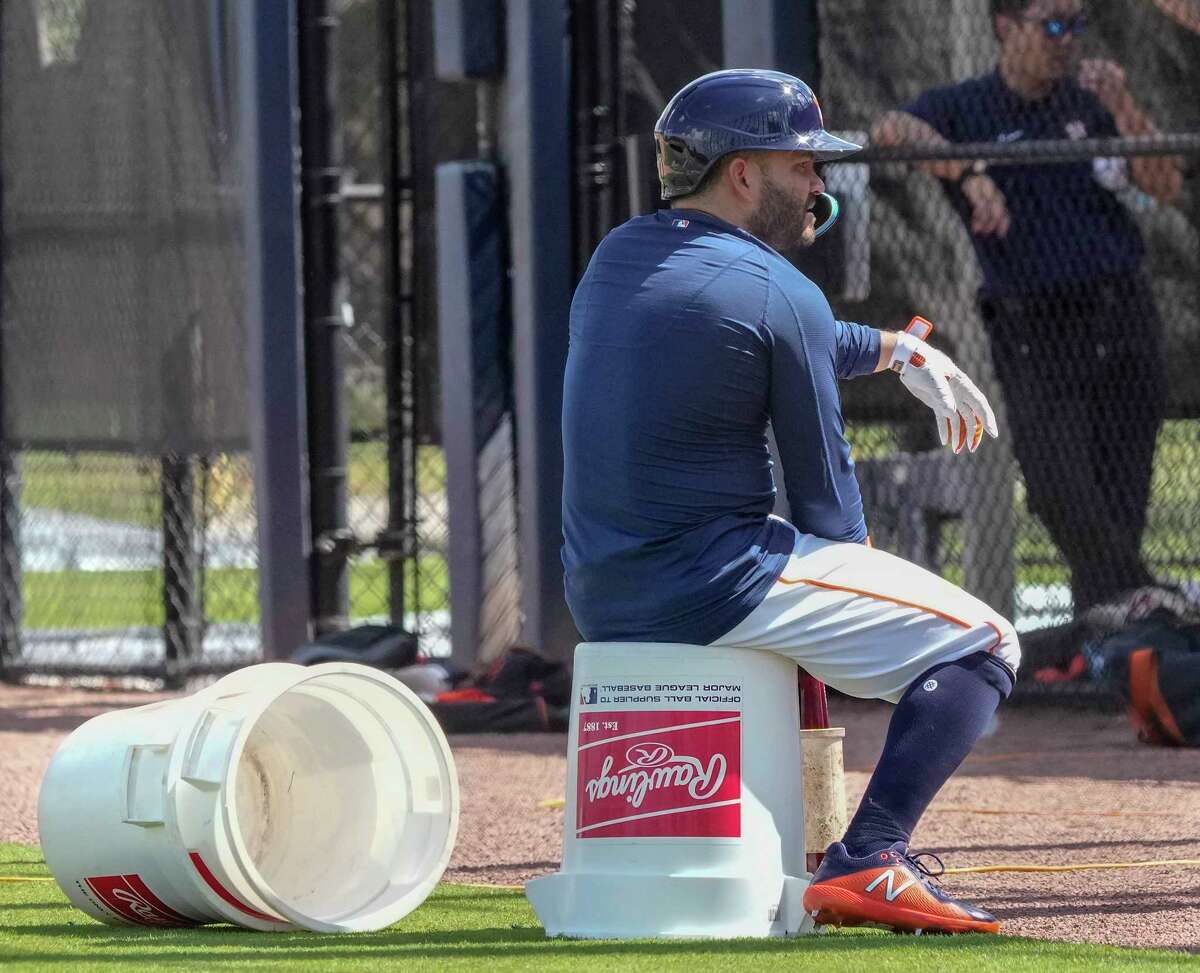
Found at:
(824, 146)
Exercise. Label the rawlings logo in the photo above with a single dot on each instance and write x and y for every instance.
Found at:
(659, 774)
(652, 767)
(131, 899)
(142, 909)
(648, 755)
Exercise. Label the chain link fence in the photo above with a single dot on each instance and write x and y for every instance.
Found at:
(418, 461)
(128, 513)
(98, 583)
(360, 103)
(1030, 185)
(128, 501)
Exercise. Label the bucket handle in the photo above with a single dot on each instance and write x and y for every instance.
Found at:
(208, 750)
(145, 784)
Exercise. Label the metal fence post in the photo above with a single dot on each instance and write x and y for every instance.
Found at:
(397, 543)
(538, 155)
(598, 113)
(267, 100)
(11, 600)
(474, 334)
(325, 344)
(182, 622)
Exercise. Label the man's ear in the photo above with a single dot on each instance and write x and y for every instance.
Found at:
(744, 177)
(1002, 26)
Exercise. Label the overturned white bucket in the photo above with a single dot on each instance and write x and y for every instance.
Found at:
(281, 796)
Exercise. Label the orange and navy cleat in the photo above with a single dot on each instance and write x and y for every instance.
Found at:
(891, 889)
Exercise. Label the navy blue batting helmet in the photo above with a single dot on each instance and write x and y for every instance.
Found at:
(738, 109)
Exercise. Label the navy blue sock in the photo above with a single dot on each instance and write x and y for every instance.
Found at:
(936, 723)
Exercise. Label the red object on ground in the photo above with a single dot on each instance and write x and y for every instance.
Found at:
(1076, 669)
(468, 695)
(814, 715)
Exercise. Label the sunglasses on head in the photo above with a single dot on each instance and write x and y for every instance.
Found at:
(1056, 27)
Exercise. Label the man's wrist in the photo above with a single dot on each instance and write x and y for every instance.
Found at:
(887, 345)
(1131, 121)
(906, 346)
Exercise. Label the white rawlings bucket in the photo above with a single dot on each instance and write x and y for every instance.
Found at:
(685, 806)
(281, 796)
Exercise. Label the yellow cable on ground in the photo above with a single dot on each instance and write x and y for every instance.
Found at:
(972, 870)
(557, 802)
(969, 870)
(1090, 866)
(952, 809)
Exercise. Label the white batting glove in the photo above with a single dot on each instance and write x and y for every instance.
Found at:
(933, 378)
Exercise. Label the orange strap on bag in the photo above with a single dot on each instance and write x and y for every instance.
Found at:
(1146, 704)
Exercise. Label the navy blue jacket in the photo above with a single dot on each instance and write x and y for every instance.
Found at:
(687, 336)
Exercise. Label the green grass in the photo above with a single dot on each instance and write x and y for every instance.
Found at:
(124, 599)
(466, 928)
(1171, 544)
(368, 470)
(123, 488)
(109, 486)
(120, 487)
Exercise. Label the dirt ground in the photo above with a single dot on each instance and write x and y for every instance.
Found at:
(1046, 788)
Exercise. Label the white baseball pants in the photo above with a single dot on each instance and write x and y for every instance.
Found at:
(868, 623)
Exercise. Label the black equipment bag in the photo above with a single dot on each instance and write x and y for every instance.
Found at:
(1154, 665)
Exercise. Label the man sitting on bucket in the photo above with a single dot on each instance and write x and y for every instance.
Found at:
(689, 334)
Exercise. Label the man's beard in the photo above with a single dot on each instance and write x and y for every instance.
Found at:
(780, 221)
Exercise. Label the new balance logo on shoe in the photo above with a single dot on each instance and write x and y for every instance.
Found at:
(890, 892)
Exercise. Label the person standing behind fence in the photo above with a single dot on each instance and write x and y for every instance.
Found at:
(1075, 335)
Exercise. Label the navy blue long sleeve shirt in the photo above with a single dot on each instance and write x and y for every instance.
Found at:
(688, 335)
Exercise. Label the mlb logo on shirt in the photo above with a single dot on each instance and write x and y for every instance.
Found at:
(680, 224)
(587, 696)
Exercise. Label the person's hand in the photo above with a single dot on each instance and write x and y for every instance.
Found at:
(933, 378)
(1106, 80)
(989, 211)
